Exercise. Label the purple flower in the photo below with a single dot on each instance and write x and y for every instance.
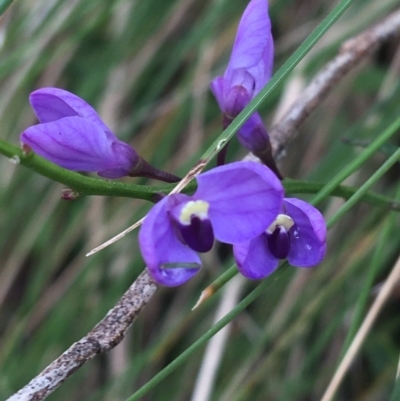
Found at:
(298, 235)
(233, 203)
(72, 135)
(249, 69)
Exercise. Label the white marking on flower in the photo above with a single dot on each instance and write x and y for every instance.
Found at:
(281, 220)
(198, 208)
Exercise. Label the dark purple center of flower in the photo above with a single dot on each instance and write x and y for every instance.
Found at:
(198, 235)
(238, 98)
(279, 242)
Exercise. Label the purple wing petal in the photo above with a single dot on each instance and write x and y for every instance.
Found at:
(253, 258)
(253, 48)
(169, 261)
(49, 108)
(217, 88)
(51, 104)
(244, 198)
(308, 235)
(77, 144)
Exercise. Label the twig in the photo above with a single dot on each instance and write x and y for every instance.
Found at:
(351, 54)
(111, 330)
(105, 336)
(362, 333)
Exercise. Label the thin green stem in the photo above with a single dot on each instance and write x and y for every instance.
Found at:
(357, 162)
(220, 281)
(202, 340)
(78, 182)
(216, 285)
(365, 292)
(362, 300)
(94, 186)
(364, 188)
(4, 4)
(341, 191)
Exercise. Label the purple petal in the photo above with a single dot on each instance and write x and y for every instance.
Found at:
(217, 88)
(253, 49)
(241, 77)
(77, 144)
(244, 198)
(198, 235)
(52, 104)
(49, 108)
(254, 259)
(279, 242)
(308, 235)
(239, 94)
(253, 135)
(124, 160)
(160, 247)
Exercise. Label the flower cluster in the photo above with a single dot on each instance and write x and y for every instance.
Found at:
(233, 203)
(240, 203)
(249, 69)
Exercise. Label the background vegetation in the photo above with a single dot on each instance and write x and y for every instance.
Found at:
(146, 66)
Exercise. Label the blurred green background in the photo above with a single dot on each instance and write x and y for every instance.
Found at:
(146, 67)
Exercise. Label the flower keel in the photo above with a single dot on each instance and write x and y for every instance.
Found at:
(298, 236)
